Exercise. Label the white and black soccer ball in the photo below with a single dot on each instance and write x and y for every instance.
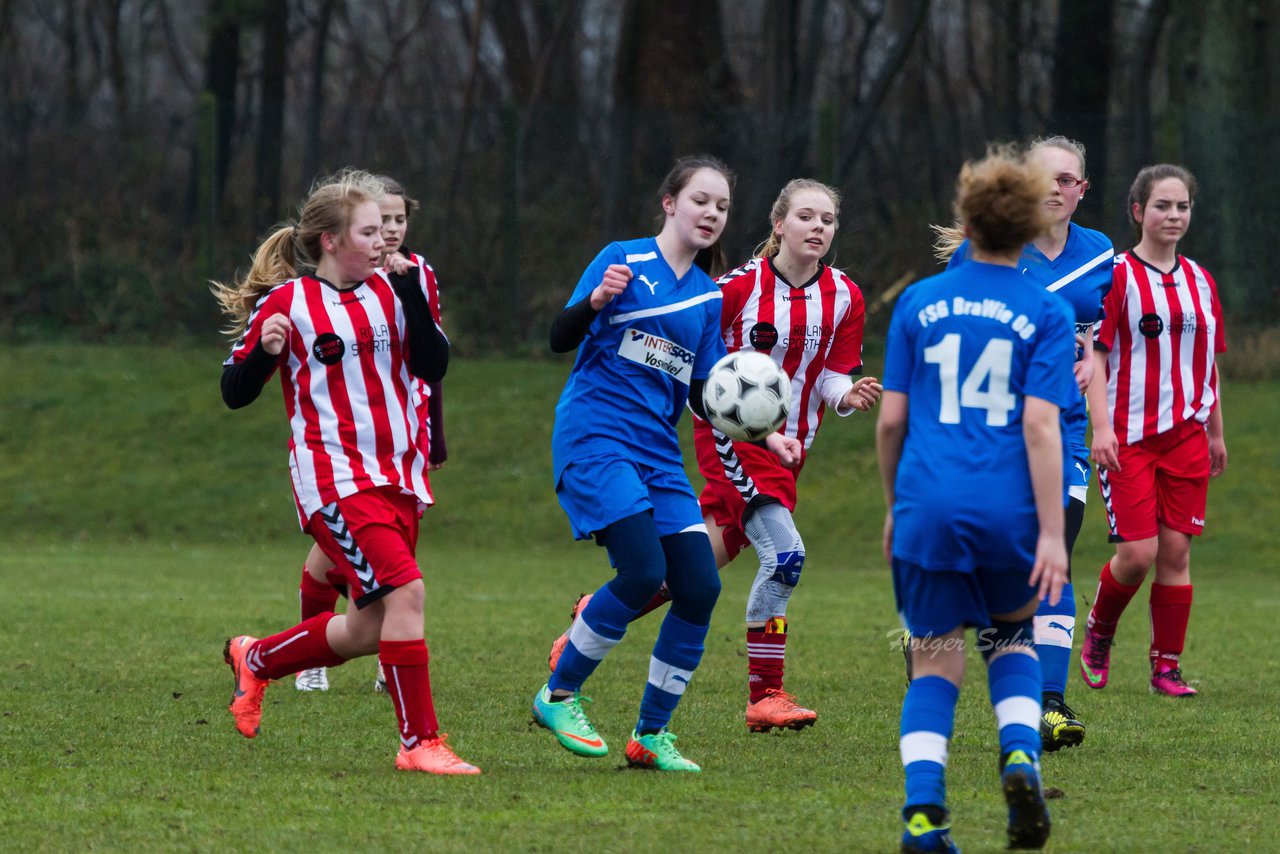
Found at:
(747, 396)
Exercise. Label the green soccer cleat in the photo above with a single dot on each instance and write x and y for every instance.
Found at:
(568, 723)
(657, 750)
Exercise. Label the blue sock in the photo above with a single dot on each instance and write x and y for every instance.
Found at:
(1055, 631)
(675, 656)
(1014, 682)
(928, 717)
(596, 631)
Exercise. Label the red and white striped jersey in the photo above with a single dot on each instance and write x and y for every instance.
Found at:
(348, 392)
(1161, 331)
(803, 328)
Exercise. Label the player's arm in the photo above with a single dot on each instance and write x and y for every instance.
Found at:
(571, 327)
(1217, 442)
(435, 415)
(891, 432)
(1041, 431)
(242, 381)
(428, 350)
(1105, 448)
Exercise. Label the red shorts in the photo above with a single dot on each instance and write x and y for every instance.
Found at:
(745, 471)
(1163, 480)
(371, 538)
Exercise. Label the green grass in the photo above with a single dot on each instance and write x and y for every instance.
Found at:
(150, 523)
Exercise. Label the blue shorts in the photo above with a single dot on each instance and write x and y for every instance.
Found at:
(598, 491)
(933, 602)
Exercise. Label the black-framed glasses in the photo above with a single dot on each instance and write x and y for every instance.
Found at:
(1068, 182)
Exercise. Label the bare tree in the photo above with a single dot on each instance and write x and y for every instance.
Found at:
(270, 148)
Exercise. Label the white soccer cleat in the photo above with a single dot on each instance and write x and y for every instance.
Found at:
(315, 679)
(380, 682)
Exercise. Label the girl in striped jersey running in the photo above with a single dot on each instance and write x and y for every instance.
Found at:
(321, 584)
(808, 317)
(348, 342)
(1156, 408)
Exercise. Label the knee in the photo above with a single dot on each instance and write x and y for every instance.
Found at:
(1007, 636)
(787, 567)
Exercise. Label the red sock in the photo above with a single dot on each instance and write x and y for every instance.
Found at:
(1170, 612)
(766, 657)
(1109, 603)
(315, 597)
(659, 599)
(300, 648)
(409, 684)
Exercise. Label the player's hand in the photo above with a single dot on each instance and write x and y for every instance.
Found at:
(616, 277)
(396, 263)
(1083, 367)
(864, 394)
(1050, 570)
(1217, 456)
(785, 448)
(886, 538)
(434, 466)
(275, 331)
(1105, 449)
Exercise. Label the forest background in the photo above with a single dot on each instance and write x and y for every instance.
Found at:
(147, 145)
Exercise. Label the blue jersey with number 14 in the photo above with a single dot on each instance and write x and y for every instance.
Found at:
(631, 379)
(1081, 274)
(967, 347)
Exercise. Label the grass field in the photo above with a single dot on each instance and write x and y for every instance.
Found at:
(147, 523)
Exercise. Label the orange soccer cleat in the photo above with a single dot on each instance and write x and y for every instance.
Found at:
(434, 757)
(778, 709)
(558, 645)
(246, 698)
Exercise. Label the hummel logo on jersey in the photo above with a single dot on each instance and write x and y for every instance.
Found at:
(652, 285)
(1056, 625)
(1195, 520)
(658, 353)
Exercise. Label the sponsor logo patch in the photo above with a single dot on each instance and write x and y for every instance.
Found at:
(657, 353)
(1150, 325)
(763, 336)
(328, 348)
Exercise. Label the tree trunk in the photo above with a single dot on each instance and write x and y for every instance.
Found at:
(315, 102)
(1082, 80)
(269, 154)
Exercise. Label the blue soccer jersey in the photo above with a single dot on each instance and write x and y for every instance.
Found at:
(967, 346)
(1081, 274)
(631, 379)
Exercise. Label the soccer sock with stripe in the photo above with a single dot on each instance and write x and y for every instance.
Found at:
(409, 685)
(1109, 603)
(1170, 613)
(1055, 629)
(596, 631)
(675, 656)
(766, 657)
(315, 597)
(928, 717)
(300, 648)
(1014, 682)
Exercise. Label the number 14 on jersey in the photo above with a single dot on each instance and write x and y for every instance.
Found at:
(991, 370)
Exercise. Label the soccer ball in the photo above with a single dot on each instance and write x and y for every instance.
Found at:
(747, 396)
